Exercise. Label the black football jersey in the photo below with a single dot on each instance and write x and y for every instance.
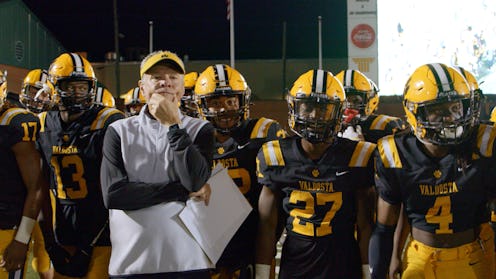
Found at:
(238, 154)
(16, 125)
(440, 195)
(378, 126)
(318, 196)
(74, 153)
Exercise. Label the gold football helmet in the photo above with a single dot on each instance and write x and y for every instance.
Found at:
(36, 93)
(134, 101)
(315, 106)
(103, 97)
(493, 115)
(188, 104)
(438, 103)
(74, 81)
(361, 94)
(3, 88)
(223, 97)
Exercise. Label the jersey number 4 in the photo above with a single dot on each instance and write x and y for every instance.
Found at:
(440, 213)
(69, 171)
(330, 203)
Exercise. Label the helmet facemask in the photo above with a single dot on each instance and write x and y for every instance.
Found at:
(75, 94)
(356, 102)
(446, 121)
(188, 104)
(225, 109)
(315, 118)
(36, 98)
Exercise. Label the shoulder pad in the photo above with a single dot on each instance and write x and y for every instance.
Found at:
(361, 154)
(272, 153)
(485, 139)
(261, 128)
(389, 152)
(9, 114)
(381, 121)
(103, 115)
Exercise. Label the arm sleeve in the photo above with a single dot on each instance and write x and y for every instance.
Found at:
(192, 160)
(380, 250)
(119, 193)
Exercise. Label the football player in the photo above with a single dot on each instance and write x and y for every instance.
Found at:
(360, 121)
(71, 140)
(36, 96)
(36, 93)
(134, 101)
(224, 98)
(188, 104)
(442, 173)
(22, 184)
(321, 181)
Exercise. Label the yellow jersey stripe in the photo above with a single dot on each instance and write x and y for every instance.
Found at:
(261, 128)
(362, 153)
(380, 122)
(389, 153)
(485, 140)
(102, 117)
(273, 154)
(7, 116)
(42, 116)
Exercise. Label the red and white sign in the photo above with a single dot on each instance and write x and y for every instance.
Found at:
(362, 36)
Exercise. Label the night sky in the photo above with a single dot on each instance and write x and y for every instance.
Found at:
(198, 28)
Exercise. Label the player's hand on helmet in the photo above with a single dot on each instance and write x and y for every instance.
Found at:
(353, 133)
(164, 109)
(203, 194)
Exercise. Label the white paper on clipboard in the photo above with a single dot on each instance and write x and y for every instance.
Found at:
(214, 225)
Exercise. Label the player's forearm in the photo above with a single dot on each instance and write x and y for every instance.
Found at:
(268, 218)
(265, 250)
